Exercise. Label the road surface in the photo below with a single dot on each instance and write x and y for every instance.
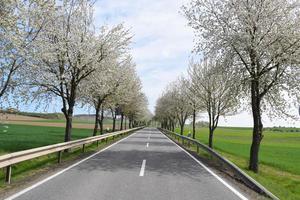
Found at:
(146, 165)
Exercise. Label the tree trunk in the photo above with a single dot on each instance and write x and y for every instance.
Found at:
(181, 128)
(114, 122)
(101, 120)
(194, 124)
(173, 126)
(257, 127)
(97, 109)
(210, 140)
(122, 118)
(96, 122)
(125, 122)
(68, 113)
(68, 130)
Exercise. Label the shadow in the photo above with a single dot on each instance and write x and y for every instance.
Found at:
(160, 162)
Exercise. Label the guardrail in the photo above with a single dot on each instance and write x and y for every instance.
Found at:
(238, 173)
(8, 160)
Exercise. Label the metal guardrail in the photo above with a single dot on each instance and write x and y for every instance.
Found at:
(238, 173)
(10, 159)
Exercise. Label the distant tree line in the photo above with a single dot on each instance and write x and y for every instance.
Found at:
(283, 129)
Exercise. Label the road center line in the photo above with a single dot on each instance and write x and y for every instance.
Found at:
(147, 144)
(143, 168)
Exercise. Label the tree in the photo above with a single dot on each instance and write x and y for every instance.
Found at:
(192, 100)
(133, 102)
(136, 109)
(125, 97)
(173, 106)
(183, 108)
(66, 53)
(20, 24)
(263, 38)
(216, 90)
(108, 76)
(165, 111)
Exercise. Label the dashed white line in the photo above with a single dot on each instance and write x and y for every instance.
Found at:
(142, 172)
(147, 144)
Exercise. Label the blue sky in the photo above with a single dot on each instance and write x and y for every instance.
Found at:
(162, 40)
(162, 45)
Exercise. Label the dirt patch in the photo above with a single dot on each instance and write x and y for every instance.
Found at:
(56, 124)
(15, 117)
(36, 121)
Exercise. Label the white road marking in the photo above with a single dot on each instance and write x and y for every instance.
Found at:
(62, 171)
(147, 144)
(211, 172)
(143, 168)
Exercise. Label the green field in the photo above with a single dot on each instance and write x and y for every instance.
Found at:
(279, 156)
(21, 137)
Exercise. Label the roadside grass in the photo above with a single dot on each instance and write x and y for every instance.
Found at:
(279, 156)
(21, 137)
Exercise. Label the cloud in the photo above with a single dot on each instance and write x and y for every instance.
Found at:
(162, 41)
(161, 47)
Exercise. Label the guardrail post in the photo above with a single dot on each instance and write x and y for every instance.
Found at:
(59, 156)
(83, 148)
(106, 140)
(8, 174)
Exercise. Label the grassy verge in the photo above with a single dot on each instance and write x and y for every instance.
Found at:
(279, 157)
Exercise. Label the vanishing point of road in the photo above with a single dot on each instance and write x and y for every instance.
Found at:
(146, 165)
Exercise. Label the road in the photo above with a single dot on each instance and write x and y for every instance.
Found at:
(146, 165)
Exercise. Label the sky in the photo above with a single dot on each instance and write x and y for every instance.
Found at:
(162, 46)
(162, 42)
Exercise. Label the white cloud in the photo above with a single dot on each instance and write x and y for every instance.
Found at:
(162, 40)
(162, 45)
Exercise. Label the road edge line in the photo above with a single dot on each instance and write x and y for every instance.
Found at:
(235, 191)
(63, 170)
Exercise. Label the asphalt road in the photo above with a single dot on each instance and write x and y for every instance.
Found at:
(146, 165)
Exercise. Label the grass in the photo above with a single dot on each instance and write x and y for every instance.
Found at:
(21, 137)
(279, 156)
